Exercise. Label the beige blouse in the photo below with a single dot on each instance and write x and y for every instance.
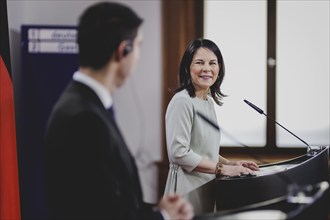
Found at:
(188, 139)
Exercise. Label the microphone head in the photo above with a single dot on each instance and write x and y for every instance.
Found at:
(254, 107)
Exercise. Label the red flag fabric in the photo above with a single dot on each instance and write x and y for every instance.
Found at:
(9, 185)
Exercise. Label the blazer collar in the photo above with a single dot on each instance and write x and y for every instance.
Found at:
(99, 89)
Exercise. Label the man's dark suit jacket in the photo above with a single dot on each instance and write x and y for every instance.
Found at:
(90, 173)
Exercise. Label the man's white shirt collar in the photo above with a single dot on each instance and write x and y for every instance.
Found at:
(100, 90)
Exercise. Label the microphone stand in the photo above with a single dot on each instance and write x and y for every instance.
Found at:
(295, 193)
(310, 150)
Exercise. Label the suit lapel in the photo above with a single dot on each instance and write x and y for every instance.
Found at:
(129, 160)
(122, 147)
(123, 150)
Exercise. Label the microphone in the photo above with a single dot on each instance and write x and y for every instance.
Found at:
(296, 194)
(217, 127)
(213, 124)
(293, 188)
(309, 148)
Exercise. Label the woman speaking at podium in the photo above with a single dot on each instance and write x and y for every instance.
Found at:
(193, 145)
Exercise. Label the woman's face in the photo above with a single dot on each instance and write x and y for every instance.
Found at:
(204, 69)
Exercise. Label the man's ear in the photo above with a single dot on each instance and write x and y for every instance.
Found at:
(125, 47)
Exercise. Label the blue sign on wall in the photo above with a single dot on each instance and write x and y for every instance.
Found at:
(49, 58)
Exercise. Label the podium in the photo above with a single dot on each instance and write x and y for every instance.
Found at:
(313, 204)
(270, 188)
(272, 180)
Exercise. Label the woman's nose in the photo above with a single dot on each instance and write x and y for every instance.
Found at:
(206, 68)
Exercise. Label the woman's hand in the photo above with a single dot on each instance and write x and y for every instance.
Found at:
(246, 163)
(235, 170)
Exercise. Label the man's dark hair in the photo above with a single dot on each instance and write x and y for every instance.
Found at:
(102, 27)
